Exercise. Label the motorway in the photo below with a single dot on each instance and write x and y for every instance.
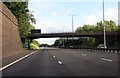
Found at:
(65, 62)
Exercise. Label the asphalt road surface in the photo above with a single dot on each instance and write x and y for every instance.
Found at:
(65, 62)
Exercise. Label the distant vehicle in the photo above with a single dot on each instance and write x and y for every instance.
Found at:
(26, 45)
(101, 46)
(71, 46)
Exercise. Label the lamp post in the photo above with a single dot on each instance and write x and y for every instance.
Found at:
(73, 25)
(72, 22)
(63, 32)
(104, 27)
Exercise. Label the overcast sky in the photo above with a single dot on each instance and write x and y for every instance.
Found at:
(53, 16)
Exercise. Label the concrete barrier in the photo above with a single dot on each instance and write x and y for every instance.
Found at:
(108, 50)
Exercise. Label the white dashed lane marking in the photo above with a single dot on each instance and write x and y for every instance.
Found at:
(53, 56)
(106, 59)
(84, 54)
(59, 62)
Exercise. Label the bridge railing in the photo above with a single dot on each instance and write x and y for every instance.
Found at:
(112, 50)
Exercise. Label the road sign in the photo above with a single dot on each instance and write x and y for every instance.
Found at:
(36, 31)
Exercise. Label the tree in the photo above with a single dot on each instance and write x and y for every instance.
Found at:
(86, 28)
(34, 44)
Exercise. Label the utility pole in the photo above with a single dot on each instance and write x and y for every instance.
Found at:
(104, 26)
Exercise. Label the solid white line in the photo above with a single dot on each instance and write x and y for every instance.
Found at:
(84, 54)
(59, 62)
(16, 61)
(107, 59)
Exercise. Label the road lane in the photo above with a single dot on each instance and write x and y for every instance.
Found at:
(85, 63)
(39, 64)
(65, 62)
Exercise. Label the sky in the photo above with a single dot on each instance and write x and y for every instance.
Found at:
(54, 16)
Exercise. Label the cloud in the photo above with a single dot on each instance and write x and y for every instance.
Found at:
(91, 19)
(54, 14)
(110, 14)
(65, 9)
(48, 26)
(40, 7)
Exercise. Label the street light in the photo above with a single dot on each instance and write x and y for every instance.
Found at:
(72, 22)
(73, 25)
(104, 27)
(63, 32)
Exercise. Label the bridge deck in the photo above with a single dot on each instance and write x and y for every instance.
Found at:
(53, 35)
